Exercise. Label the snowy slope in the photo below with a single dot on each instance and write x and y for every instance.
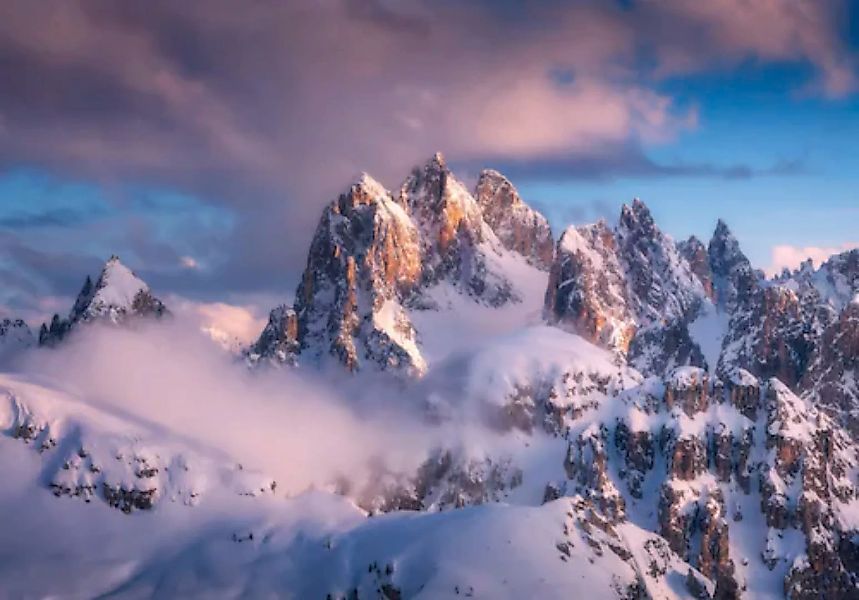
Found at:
(213, 529)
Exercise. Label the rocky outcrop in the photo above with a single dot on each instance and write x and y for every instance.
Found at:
(374, 256)
(519, 227)
(118, 297)
(586, 465)
(628, 289)
(698, 257)
(662, 347)
(832, 380)
(661, 283)
(279, 340)
(734, 279)
(688, 388)
(587, 290)
(770, 335)
(446, 480)
(457, 245)
(364, 257)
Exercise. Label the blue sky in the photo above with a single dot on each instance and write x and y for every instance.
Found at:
(202, 150)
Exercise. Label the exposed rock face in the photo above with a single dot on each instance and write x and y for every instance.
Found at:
(456, 243)
(118, 297)
(374, 255)
(519, 227)
(798, 327)
(770, 335)
(688, 388)
(446, 480)
(279, 339)
(734, 279)
(661, 282)
(586, 465)
(364, 257)
(629, 289)
(696, 254)
(744, 392)
(587, 290)
(832, 380)
(662, 347)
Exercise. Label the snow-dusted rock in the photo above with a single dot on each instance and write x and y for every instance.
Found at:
(628, 288)
(376, 257)
(117, 297)
(519, 227)
(457, 244)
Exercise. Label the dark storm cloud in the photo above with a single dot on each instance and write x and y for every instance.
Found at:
(266, 109)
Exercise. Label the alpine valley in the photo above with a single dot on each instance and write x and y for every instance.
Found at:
(606, 414)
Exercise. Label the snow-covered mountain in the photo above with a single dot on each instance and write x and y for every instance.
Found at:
(118, 296)
(612, 414)
(628, 288)
(377, 260)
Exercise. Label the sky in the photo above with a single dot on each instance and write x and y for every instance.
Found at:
(200, 142)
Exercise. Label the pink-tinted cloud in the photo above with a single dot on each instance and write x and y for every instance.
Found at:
(722, 32)
(269, 108)
(790, 257)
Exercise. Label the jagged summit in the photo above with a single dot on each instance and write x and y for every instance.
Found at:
(374, 254)
(365, 253)
(628, 288)
(447, 215)
(734, 278)
(117, 296)
(519, 227)
(695, 252)
(373, 190)
(637, 216)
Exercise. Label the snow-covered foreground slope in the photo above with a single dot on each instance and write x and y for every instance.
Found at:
(142, 512)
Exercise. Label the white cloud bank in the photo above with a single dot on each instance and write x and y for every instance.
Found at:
(786, 256)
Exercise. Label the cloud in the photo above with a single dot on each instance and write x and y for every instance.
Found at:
(790, 257)
(225, 323)
(723, 32)
(611, 161)
(292, 426)
(264, 113)
(189, 262)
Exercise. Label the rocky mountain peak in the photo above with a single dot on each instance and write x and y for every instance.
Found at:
(117, 296)
(442, 208)
(637, 218)
(365, 256)
(372, 255)
(519, 227)
(365, 190)
(734, 278)
(661, 281)
(695, 253)
(629, 288)
(587, 290)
